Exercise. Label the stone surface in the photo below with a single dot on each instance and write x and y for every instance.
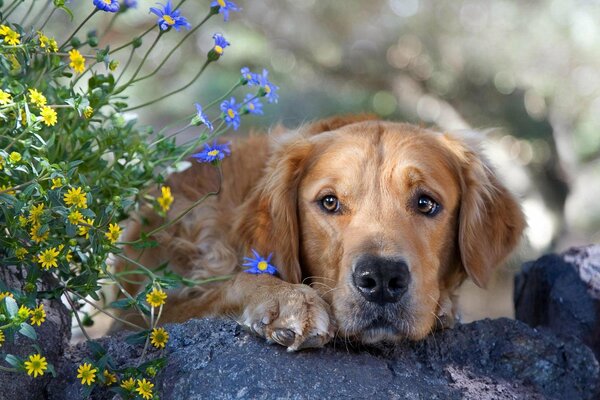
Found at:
(561, 292)
(54, 335)
(488, 359)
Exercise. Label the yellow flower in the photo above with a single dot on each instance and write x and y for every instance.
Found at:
(166, 199)
(7, 189)
(14, 157)
(6, 294)
(114, 231)
(5, 98)
(76, 197)
(77, 61)
(35, 213)
(69, 254)
(48, 258)
(88, 112)
(20, 253)
(75, 217)
(159, 337)
(14, 63)
(86, 373)
(144, 388)
(156, 297)
(38, 315)
(37, 98)
(84, 230)
(128, 384)
(2, 162)
(56, 183)
(10, 37)
(109, 378)
(151, 371)
(47, 43)
(36, 365)
(24, 312)
(22, 220)
(48, 116)
(35, 234)
(1, 338)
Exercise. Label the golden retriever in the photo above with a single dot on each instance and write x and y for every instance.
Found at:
(372, 226)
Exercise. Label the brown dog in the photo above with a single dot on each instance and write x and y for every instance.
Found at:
(372, 226)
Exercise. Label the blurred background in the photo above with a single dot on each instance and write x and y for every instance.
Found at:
(524, 73)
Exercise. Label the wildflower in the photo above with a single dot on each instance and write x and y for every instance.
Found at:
(213, 153)
(86, 373)
(35, 234)
(5, 97)
(159, 337)
(84, 230)
(49, 44)
(24, 312)
(167, 17)
(144, 388)
(20, 253)
(249, 78)
(109, 378)
(35, 213)
(7, 189)
(156, 297)
(36, 365)
(151, 371)
(88, 112)
(220, 43)
(130, 3)
(114, 231)
(4, 295)
(14, 157)
(14, 63)
(224, 7)
(231, 113)
(1, 338)
(107, 5)
(38, 315)
(202, 118)
(69, 254)
(76, 197)
(267, 89)
(253, 105)
(166, 199)
(22, 220)
(48, 116)
(113, 65)
(56, 183)
(2, 162)
(75, 217)
(128, 384)
(77, 61)
(10, 37)
(259, 265)
(37, 98)
(48, 258)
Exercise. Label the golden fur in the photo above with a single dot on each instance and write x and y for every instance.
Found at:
(269, 201)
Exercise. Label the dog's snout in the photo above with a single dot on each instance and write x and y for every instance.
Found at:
(381, 280)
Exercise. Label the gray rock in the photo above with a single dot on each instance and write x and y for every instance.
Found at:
(489, 359)
(562, 293)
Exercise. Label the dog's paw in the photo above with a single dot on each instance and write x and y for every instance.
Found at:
(294, 316)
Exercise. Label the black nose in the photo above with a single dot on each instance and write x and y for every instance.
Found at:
(381, 280)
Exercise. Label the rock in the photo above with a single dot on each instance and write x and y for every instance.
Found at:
(53, 338)
(499, 359)
(562, 293)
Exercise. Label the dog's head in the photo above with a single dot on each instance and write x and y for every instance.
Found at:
(383, 219)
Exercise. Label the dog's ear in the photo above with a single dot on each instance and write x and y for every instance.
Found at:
(491, 221)
(269, 222)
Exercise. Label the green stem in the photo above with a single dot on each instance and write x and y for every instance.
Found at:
(141, 64)
(6, 369)
(106, 312)
(27, 14)
(174, 91)
(126, 293)
(78, 28)
(48, 18)
(76, 313)
(14, 6)
(126, 65)
(110, 25)
(170, 136)
(42, 11)
(147, 31)
(218, 100)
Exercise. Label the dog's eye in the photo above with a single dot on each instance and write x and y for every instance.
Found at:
(330, 204)
(427, 206)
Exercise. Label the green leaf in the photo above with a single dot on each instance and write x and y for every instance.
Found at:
(27, 330)
(96, 349)
(122, 304)
(13, 360)
(11, 306)
(137, 338)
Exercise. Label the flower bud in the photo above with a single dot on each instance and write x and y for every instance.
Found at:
(137, 42)
(75, 42)
(29, 287)
(113, 65)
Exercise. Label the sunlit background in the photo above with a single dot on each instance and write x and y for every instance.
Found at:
(525, 74)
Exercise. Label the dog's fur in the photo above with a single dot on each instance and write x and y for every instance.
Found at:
(269, 200)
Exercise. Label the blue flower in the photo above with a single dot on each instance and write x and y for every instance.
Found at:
(224, 7)
(220, 43)
(253, 104)
(231, 112)
(267, 89)
(202, 118)
(259, 265)
(130, 3)
(214, 153)
(167, 17)
(107, 5)
(250, 77)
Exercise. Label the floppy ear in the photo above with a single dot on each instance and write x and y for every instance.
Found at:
(269, 217)
(491, 221)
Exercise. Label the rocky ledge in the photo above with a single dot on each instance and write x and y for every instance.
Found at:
(488, 359)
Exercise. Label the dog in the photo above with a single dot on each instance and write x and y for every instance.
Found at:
(372, 226)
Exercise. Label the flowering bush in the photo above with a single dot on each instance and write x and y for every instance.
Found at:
(74, 162)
